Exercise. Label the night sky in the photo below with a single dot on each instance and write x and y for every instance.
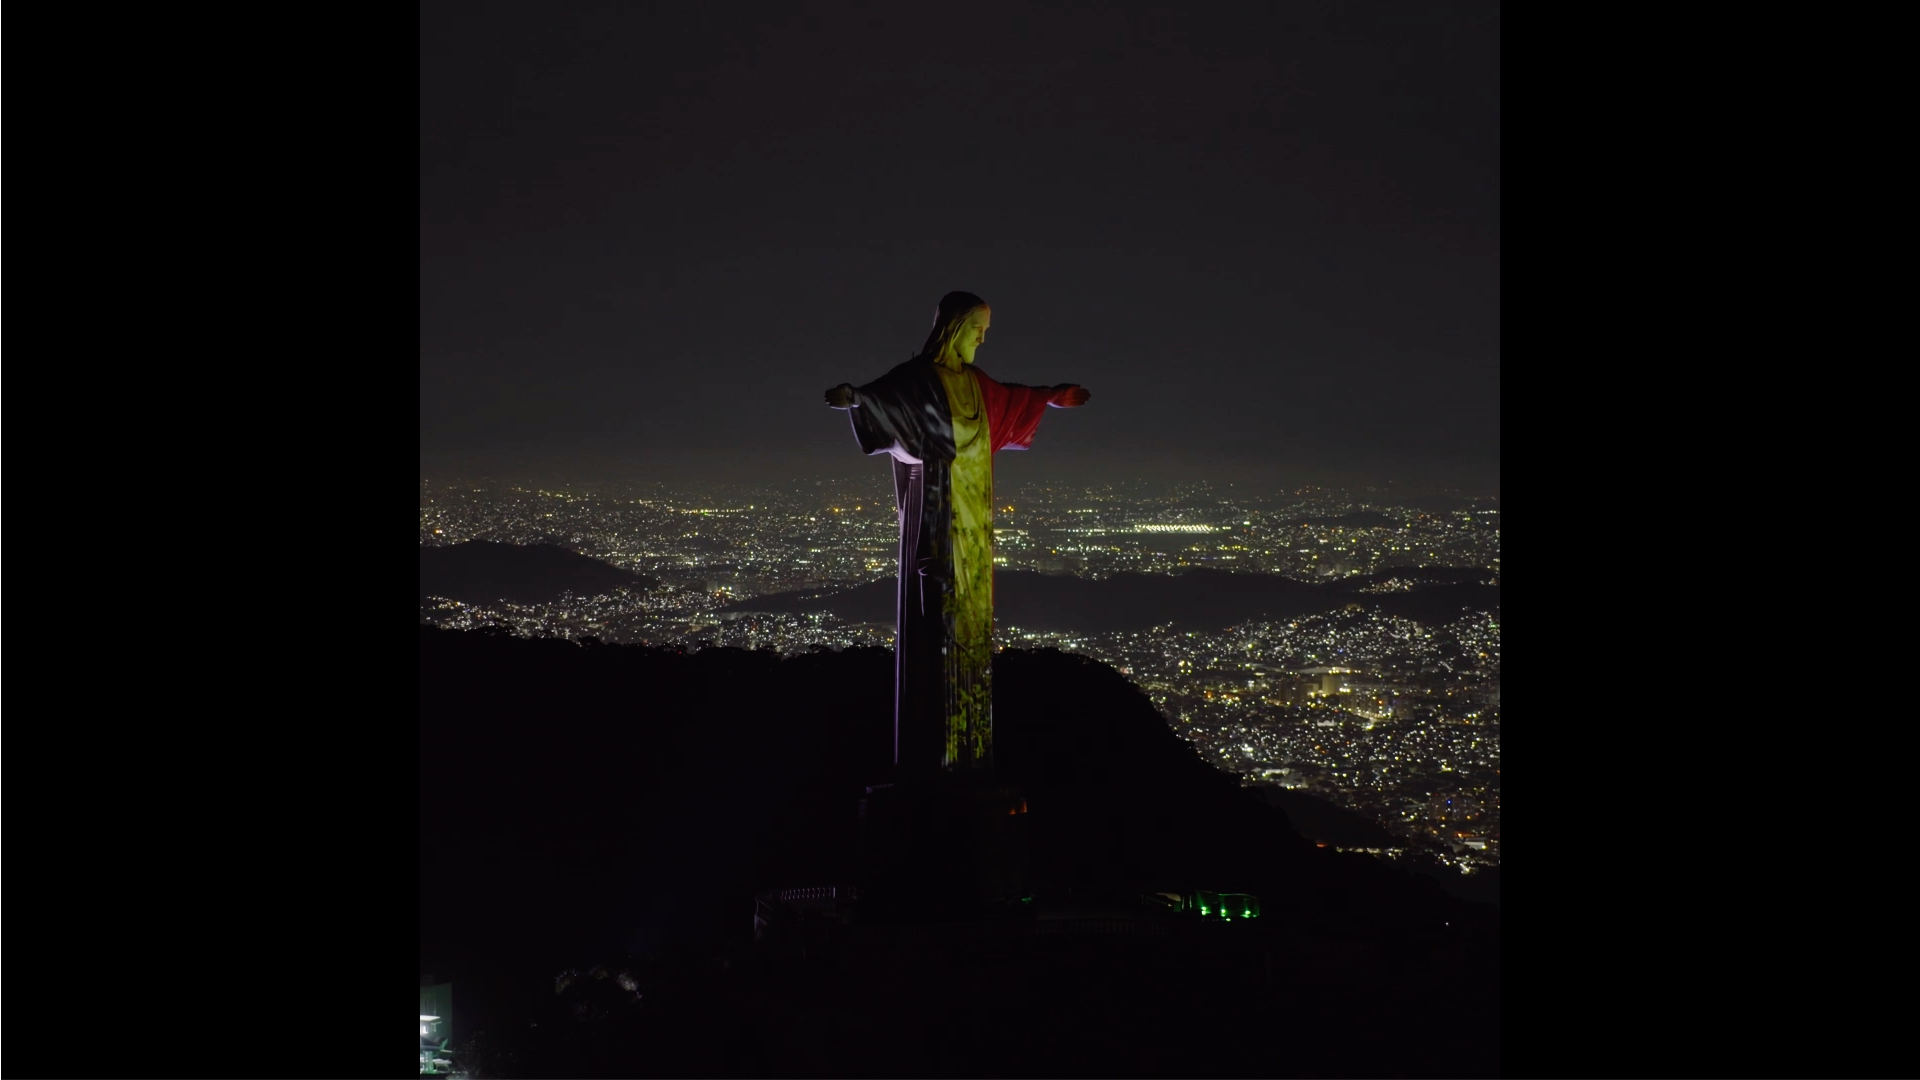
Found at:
(1265, 236)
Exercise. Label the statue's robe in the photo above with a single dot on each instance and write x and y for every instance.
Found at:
(942, 427)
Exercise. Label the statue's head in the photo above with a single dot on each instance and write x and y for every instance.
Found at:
(959, 327)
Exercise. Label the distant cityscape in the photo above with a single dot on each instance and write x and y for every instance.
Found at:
(1395, 719)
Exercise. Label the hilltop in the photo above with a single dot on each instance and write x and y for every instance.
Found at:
(742, 771)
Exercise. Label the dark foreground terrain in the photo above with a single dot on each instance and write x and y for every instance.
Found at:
(596, 821)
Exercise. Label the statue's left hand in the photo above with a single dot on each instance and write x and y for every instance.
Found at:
(1074, 396)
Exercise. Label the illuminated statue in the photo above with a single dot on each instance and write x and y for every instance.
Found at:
(942, 419)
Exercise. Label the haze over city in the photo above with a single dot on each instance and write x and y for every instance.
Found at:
(1265, 238)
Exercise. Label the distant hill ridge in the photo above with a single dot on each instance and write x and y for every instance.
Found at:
(481, 571)
(1202, 598)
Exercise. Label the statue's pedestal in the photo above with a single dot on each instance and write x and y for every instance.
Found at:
(940, 849)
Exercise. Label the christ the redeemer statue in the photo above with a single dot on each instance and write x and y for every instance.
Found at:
(942, 419)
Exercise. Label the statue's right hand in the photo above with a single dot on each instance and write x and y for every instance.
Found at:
(841, 397)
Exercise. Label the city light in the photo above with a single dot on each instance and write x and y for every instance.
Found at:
(1359, 703)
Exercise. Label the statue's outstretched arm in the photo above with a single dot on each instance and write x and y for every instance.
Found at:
(1069, 396)
(841, 397)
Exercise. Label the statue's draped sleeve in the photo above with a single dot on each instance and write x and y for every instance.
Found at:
(903, 413)
(1014, 411)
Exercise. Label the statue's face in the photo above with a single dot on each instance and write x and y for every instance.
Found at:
(973, 335)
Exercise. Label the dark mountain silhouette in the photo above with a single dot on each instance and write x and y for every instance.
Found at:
(642, 745)
(1421, 575)
(481, 571)
(582, 801)
(1326, 822)
(1199, 598)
